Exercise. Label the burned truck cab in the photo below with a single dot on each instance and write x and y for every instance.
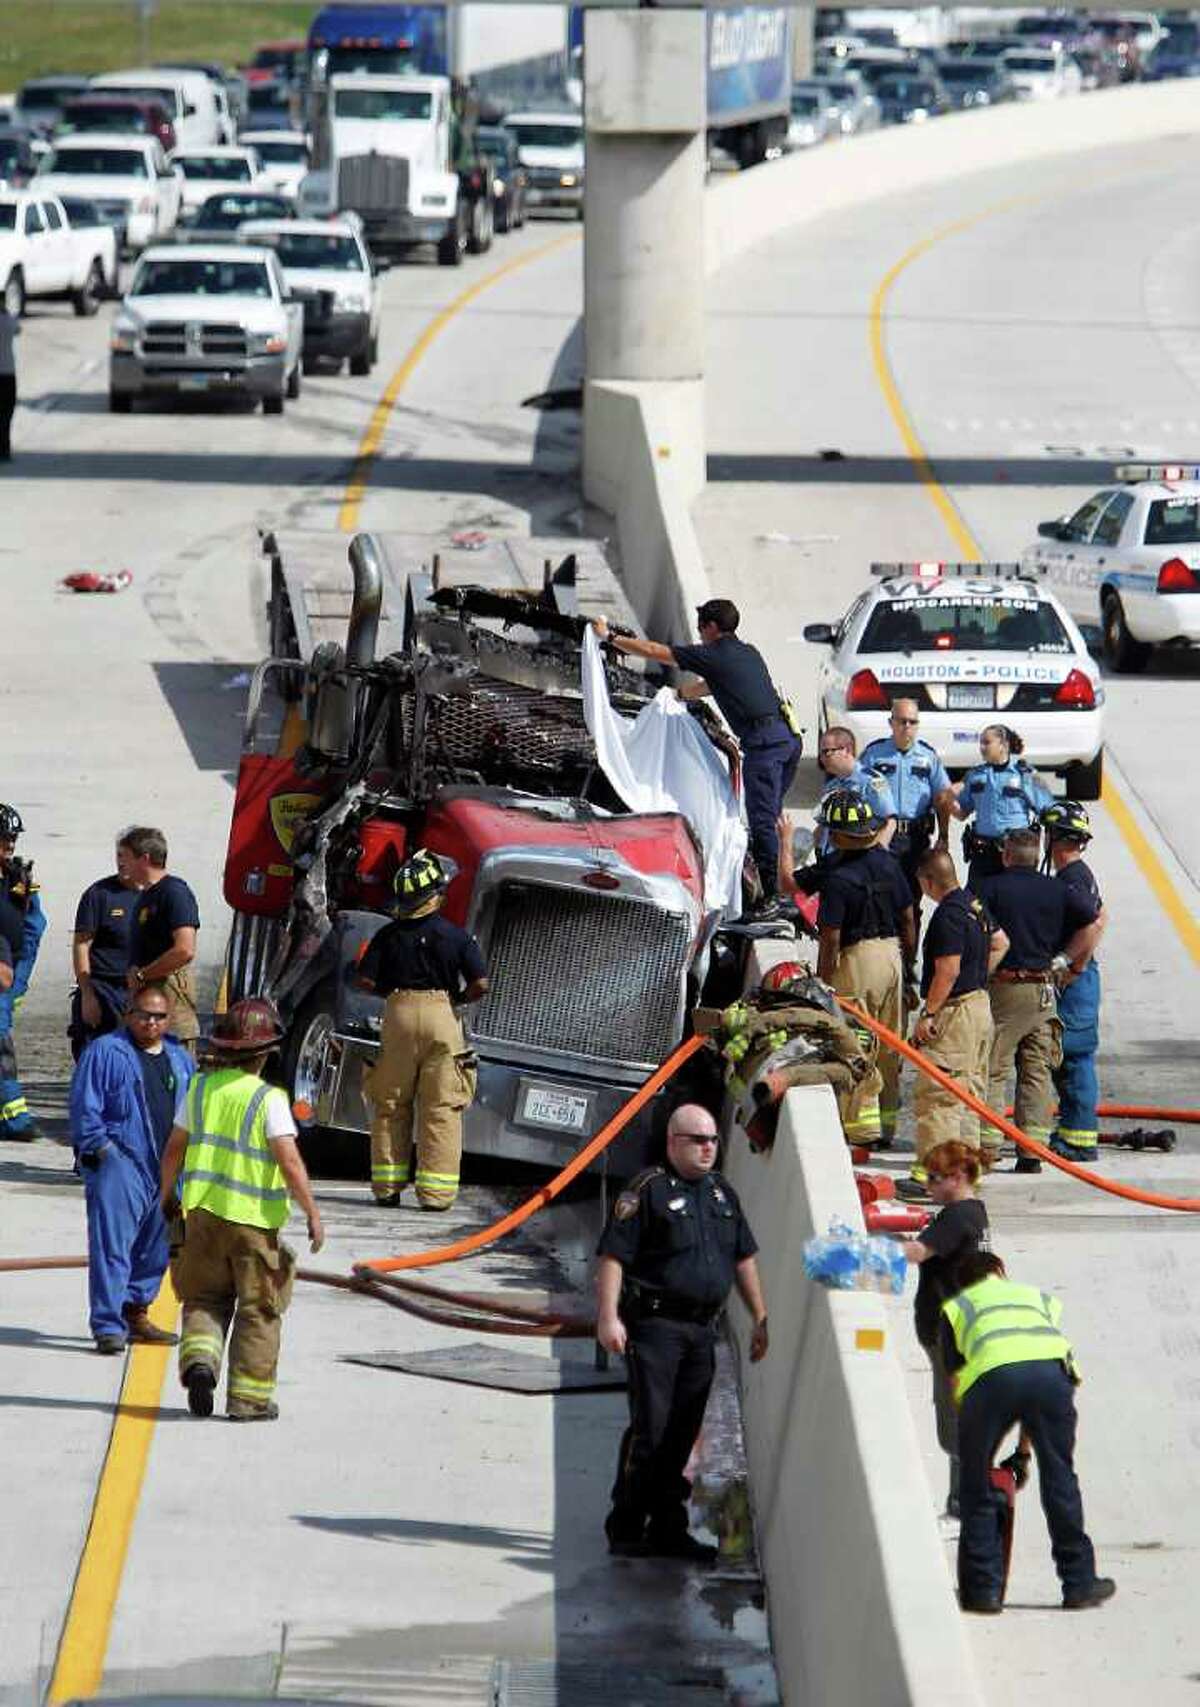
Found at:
(468, 739)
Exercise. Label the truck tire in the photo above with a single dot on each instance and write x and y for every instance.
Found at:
(1084, 781)
(452, 246)
(273, 405)
(120, 402)
(293, 382)
(1122, 652)
(14, 293)
(361, 361)
(480, 239)
(86, 300)
(503, 218)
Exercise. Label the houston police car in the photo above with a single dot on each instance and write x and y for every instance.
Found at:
(1129, 560)
(973, 644)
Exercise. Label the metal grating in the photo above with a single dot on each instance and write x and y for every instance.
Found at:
(568, 1683)
(615, 967)
(507, 724)
(373, 183)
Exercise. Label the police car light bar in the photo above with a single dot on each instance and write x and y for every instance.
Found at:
(939, 571)
(1130, 473)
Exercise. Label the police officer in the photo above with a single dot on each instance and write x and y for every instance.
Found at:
(1042, 919)
(738, 679)
(100, 951)
(1013, 1364)
(920, 789)
(675, 1243)
(954, 1030)
(867, 938)
(1068, 831)
(837, 756)
(1001, 794)
(23, 924)
(423, 965)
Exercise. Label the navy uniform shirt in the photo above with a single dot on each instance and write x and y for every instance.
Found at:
(162, 1093)
(1002, 798)
(959, 926)
(741, 685)
(423, 954)
(864, 895)
(105, 914)
(12, 927)
(1080, 880)
(682, 1237)
(915, 778)
(1038, 914)
(160, 911)
(958, 1231)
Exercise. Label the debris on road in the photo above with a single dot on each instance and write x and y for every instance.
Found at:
(91, 581)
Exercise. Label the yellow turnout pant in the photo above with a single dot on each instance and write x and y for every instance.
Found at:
(870, 974)
(1029, 1033)
(423, 1077)
(962, 1049)
(223, 1273)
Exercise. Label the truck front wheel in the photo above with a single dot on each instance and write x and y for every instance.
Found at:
(451, 247)
(14, 294)
(273, 405)
(86, 300)
(480, 240)
(120, 402)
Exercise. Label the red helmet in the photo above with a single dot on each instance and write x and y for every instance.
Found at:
(248, 1028)
(781, 977)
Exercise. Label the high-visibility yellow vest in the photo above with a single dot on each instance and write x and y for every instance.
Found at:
(229, 1169)
(998, 1321)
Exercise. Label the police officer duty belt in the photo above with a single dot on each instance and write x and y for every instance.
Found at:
(639, 1301)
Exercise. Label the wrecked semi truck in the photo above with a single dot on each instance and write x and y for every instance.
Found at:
(461, 731)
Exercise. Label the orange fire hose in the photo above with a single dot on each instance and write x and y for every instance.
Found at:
(547, 1193)
(1154, 1200)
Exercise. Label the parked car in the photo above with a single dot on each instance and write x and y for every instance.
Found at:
(123, 115)
(904, 99)
(511, 182)
(975, 83)
(811, 119)
(18, 162)
(127, 176)
(284, 157)
(855, 108)
(40, 101)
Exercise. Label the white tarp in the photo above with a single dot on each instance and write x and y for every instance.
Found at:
(663, 762)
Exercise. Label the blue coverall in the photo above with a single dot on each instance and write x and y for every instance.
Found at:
(119, 1160)
(1078, 1085)
(15, 1118)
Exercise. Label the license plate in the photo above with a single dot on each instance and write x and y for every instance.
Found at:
(970, 696)
(553, 1106)
(193, 382)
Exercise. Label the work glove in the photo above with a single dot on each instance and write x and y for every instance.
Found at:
(91, 1160)
(1018, 1463)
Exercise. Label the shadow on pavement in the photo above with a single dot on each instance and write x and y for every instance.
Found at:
(207, 711)
(808, 468)
(538, 1547)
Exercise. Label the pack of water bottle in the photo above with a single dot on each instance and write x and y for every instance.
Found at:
(855, 1262)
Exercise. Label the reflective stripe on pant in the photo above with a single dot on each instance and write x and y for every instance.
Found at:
(767, 773)
(224, 1273)
(127, 1240)
(870, 973)
(963, 1050)
(1078, 1085)
(1028, 1033)
(670, 1366)
(14, 1110)
(1041, 1396)
(421, 1079)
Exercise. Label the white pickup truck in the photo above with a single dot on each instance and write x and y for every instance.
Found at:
(43, 255)
(209, 319)
(127, 177)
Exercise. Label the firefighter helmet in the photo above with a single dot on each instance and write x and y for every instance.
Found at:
(780, 977)
(423, 878)
(250, 1027)
(849, 812)
(10, 824)
(1067, 821)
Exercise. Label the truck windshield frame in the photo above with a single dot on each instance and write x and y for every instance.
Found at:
(945, 623)
(193, 277)
(79, 162)
(383, 106)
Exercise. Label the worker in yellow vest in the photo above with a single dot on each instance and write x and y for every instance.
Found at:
(1013, 1364)
(235, 1140)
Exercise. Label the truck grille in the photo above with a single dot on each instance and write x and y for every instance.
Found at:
(373, 183)
(546, 177)
(174, 339)
(584, 974)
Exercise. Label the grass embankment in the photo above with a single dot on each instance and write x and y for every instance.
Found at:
(90, 36)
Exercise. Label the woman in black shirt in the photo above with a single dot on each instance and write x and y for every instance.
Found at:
(962, 1227)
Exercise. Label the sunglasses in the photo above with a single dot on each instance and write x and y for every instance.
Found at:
(148, 1017)
(698, 1137)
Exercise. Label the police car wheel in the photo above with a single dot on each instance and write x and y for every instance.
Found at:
(1121, 651)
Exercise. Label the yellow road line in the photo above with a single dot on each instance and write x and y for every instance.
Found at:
(371, 440)
(1143, 854)
(79, 1666)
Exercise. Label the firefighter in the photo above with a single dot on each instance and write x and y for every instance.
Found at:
(162, 939)
(866, 938)
(424, 966)
(1042, 919)
(235, 1140)
(1068, 831)
(764, 723)
(675, 1243)
(955, 1028)
(23, 923)
(100, 951)
(1011, 1363)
